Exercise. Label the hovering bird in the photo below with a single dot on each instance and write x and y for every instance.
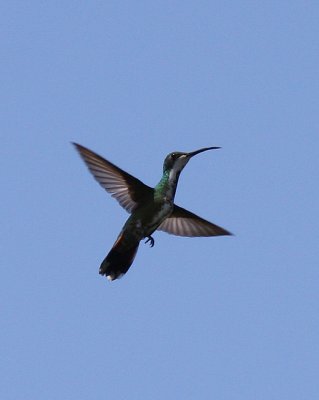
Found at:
(151, 208)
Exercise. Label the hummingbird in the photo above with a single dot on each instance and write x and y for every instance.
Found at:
(151, 209)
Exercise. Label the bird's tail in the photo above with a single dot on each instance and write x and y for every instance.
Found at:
(119, 259)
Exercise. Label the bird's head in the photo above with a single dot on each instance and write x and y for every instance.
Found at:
(176, 161)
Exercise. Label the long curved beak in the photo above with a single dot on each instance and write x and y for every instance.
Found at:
(193, 153)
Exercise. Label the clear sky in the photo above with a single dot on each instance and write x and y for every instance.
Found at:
(229, 318)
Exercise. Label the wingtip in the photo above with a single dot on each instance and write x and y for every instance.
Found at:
(76, 145)
(224, 232)
(81, 149)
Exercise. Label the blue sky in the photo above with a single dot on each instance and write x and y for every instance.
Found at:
(225, 318)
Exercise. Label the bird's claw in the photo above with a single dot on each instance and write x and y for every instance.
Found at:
(150, 239)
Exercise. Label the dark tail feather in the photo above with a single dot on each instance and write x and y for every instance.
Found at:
(118, 261)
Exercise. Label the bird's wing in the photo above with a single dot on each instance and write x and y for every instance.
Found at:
(125, 188)
(184, 223)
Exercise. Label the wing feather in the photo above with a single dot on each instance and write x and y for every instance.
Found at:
(125, 188)
(184, 223)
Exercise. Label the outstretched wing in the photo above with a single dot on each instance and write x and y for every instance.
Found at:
(184, 223)
(125, 188)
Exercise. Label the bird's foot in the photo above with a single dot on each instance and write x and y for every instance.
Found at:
(150, 239)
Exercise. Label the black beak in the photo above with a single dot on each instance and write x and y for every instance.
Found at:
(193, 153)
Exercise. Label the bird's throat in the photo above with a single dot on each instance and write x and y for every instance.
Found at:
(166, 187)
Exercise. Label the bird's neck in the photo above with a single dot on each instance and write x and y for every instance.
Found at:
(166, 187)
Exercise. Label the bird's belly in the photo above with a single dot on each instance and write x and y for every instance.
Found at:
(158, 217)
(146, 220)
